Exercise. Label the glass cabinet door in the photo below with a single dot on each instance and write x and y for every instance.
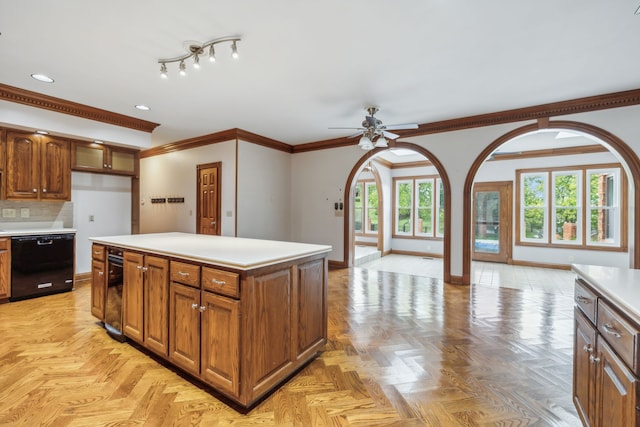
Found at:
(90, 156)
(123, 161)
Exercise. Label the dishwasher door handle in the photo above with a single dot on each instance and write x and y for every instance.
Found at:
(45, 242)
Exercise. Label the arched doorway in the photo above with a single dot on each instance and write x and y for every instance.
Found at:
(446, 203)
(617, 147)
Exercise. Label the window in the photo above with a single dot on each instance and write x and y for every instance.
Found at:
(419, 207)
(365, 207)
(555, 209)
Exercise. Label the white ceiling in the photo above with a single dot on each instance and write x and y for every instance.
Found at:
(305, 66)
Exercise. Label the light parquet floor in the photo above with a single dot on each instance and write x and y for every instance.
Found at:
(403, 351)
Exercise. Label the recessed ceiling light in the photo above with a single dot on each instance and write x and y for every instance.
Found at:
(97, 141)
(142, 107)
(42, 78)
(42, 132)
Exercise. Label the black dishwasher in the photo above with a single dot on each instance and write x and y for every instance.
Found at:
(41, 265)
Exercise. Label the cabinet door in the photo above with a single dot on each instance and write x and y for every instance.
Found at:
(123, 161)
(617, 390)
(184, 327)
(584, 368)
(156, 305)
(220, 342)
(89, 156)
(133, 296)
(55, 169)
(98, 288)
(22, 166)
(5, 268)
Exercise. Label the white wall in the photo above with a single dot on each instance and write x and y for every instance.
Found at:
(108, 199)
(175, 175)
(264, 192)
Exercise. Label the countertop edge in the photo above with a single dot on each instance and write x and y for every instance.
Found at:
(210, 260)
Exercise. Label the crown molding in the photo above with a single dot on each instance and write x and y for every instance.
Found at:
(215, 138)
(541, 113)
(38, 100)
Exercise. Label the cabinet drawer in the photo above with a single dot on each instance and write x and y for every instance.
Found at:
(221, 282)
(97, 252)
(5, 244)
(188, 274)
(585, 299)
(619, 333)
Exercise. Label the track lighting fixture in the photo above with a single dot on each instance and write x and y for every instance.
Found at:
(195, 50)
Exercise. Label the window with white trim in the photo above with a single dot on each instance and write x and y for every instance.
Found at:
(418, 207)
(365, 207)
(576, 206)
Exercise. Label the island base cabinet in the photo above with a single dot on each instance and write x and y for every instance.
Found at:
(156, 305)
(584, 368)
(98, 289)
(220, 343)
(617, 391)
(184, 327)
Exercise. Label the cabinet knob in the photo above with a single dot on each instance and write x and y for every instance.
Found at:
(587, 348)
(105, 165)
(100, 273)
(35, 190)
(44, 190)
(202, 308)
(194, 306)
(594, 359)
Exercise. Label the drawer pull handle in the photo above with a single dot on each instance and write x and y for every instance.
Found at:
(194, 306)
(218, 282)
(587, 348)
(611, 330)
(183, 274)
(583, 300)
(594, 359)
(100, 273)
(97, 252)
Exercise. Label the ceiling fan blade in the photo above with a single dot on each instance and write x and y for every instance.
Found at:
(345, 128)
(355, 134)
(403, 126)
(389, 135)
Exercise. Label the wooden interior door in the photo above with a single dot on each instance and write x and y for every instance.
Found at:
(208, 203)
(492, 212)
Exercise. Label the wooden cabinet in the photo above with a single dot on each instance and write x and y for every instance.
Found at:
(243, 332)
(5, 268)
(38, 167)
(144, 300)
(98, 281)
(584, 366)
(606, 356)
(94, 157)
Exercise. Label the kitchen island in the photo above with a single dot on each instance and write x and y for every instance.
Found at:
(240, 315)
(606, 353)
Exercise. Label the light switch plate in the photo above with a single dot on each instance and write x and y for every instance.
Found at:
(24, 213)
(8, 213)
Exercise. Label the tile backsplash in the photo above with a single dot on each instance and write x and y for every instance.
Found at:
(41, 212)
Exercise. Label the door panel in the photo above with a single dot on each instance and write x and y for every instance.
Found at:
(492, 207)
(209, 199)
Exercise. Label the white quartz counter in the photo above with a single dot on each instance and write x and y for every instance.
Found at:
(33, 231)
(621, 286)
(234, 252)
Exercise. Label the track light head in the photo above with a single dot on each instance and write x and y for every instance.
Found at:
(195, 50)
(234, 50)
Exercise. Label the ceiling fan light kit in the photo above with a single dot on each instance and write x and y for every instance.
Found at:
(197, 49)
(373, 129)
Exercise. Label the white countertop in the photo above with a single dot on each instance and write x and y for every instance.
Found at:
(8, 229)
(621, 286)
(234, 252)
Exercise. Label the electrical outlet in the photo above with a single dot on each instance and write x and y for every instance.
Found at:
(92, 218)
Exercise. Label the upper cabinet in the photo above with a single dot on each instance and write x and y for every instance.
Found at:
(37, 167)
(93, 157)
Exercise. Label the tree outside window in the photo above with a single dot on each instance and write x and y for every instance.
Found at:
(358, 211)
(566, 186)
(372, 207)
(534, 206)
(424, 199)
(404, 191)
(419, 207)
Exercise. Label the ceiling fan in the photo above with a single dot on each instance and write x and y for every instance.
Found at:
(372, 128)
